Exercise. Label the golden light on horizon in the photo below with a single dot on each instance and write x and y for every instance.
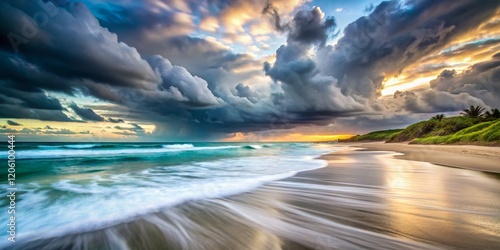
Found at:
(291, 137)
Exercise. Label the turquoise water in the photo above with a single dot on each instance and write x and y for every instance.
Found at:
(64, 187)
(183, 196)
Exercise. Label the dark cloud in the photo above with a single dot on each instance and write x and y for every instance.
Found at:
(13, 123)
(178, 84)
(481, 80)
(447, 74)
(15, 111)
(115, 120)
(272, 12)
(349, 76)
(101, 66)
(368, 123)
(305, 91)
(135, 130)
(207, 59)
(48, 61)
(164, 31)
(86, 113)
(180, 94)
(246, 92)
(430, 101)
(307, 26)
(33, 99)
(395, 35)
(135, 127)
(203, 58)
(311, 27)
(98, 49)
(145, 18)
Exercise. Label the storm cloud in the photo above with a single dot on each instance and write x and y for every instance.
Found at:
(429, 101)
(394, 36)
(86, 114)
(50, 58)
(481, 80)
(13, 123)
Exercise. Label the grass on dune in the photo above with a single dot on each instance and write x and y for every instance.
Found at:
(449, 130)
(376, 135)
(429, 128)
(482, 133)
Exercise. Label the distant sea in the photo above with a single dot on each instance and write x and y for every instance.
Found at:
(76, 187)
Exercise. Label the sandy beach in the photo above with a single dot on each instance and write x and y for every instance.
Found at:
(480, 158)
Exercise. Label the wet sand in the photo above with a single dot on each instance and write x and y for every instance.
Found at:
(361, 200)
(480, 158)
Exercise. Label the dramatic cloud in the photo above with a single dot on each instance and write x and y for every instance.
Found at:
(394, 36)
(246, 92)
(13, 123)
(378, 46)
(310, 27)
(15, 111)
(86, 114)
(433, 101)
(135, 130)
(305, 91)
(178, 84)
(48, 61)
(115, 120)
(97, 48)
(481, 80)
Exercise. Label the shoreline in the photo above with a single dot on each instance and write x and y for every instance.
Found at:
(472, 157)
(422, 228)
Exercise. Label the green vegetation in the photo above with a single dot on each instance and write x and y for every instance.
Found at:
(438, 117)
(487, 133)
(474, 127)
(492, 114)
(434, 127)
(376, 136)
(473, 111)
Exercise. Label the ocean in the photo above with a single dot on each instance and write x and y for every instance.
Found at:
(75, 187)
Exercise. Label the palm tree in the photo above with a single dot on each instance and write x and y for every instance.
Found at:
(438, 117)
(473, 111)
(494, 114)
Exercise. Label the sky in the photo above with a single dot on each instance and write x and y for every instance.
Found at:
(236, 70)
